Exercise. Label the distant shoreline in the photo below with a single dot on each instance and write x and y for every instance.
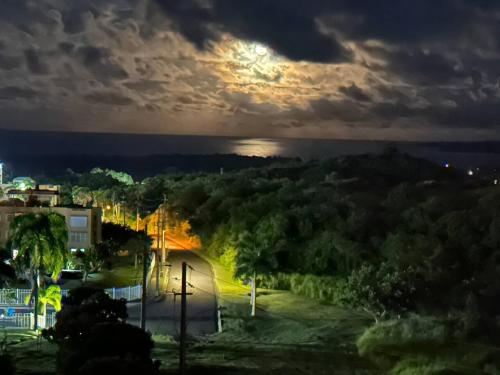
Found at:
(26, 144)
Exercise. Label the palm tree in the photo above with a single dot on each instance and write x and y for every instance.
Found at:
(255, 256)
(41, 240)
(49, 296)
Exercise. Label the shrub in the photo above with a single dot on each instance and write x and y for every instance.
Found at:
(425, 345)
(108, 344)
(92, 335)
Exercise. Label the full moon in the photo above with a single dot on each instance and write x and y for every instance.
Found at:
(260, 50)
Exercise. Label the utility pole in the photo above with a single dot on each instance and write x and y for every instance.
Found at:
(158, 266)
(163, 228)
(36, 297)
(144, 284)
(158, 228)
(137, 219)
(1, 173)
(253, 295)
(182, 343)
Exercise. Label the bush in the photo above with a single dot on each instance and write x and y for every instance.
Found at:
(425, 345)
(111, 343)
(82, 310)
(92, 336)
(382, 291)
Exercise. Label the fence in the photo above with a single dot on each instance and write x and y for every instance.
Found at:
(18, 297)
(25, 320)
(12, 315)
(130, 293)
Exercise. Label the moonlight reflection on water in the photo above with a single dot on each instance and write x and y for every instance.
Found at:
(257, 147)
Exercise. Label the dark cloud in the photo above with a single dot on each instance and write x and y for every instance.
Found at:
(462, 109)
(287, 27)
(109, 98)
(34, 63)
(9, 62)
(98, 62)
(355, 93)
(343, 110)
(15, 92)
(74, 21)
(415, 63)
(66, 47)
(146, 86)
(421, 67)
(291, 26)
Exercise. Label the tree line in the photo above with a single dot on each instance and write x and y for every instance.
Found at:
(414, 244)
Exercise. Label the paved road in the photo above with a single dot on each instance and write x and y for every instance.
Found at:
(163, 315)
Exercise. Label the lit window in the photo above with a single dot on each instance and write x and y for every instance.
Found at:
(78, 237)
(78, 222)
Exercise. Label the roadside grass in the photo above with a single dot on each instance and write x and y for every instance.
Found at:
(31, 354)
(291, 335)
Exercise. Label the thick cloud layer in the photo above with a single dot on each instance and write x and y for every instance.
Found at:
(323, 68)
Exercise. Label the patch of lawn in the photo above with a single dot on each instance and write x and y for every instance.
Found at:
(31, 354)
(122, 273)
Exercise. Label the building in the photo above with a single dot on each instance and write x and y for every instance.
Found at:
(26, 190)
(23, 183)
(84, 224)
(42, 196)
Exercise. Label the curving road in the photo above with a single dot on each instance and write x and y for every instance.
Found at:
(163, 313)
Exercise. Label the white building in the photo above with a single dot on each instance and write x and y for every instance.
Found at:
(84, 224)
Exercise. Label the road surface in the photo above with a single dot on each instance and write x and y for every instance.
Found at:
(163, 314)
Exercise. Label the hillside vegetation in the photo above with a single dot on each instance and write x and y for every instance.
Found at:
(413, 244)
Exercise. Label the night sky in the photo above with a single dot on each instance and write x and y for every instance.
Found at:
(365, 69)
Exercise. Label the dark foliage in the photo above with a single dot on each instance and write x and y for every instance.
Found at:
(388, 233)
(6, 361)
(115, 237)
(91, 333)
(82, 310)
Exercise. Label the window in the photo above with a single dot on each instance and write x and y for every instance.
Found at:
(78, 222)
(78, 237)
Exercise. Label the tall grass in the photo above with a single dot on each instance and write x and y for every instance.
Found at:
(324, 288)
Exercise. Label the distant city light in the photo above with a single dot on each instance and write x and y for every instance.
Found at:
(495, 182)
(470, 172)
(447, 165)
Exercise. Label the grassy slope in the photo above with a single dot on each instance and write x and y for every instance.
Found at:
(291, 334)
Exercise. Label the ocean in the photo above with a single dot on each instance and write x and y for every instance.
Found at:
(461, 154)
